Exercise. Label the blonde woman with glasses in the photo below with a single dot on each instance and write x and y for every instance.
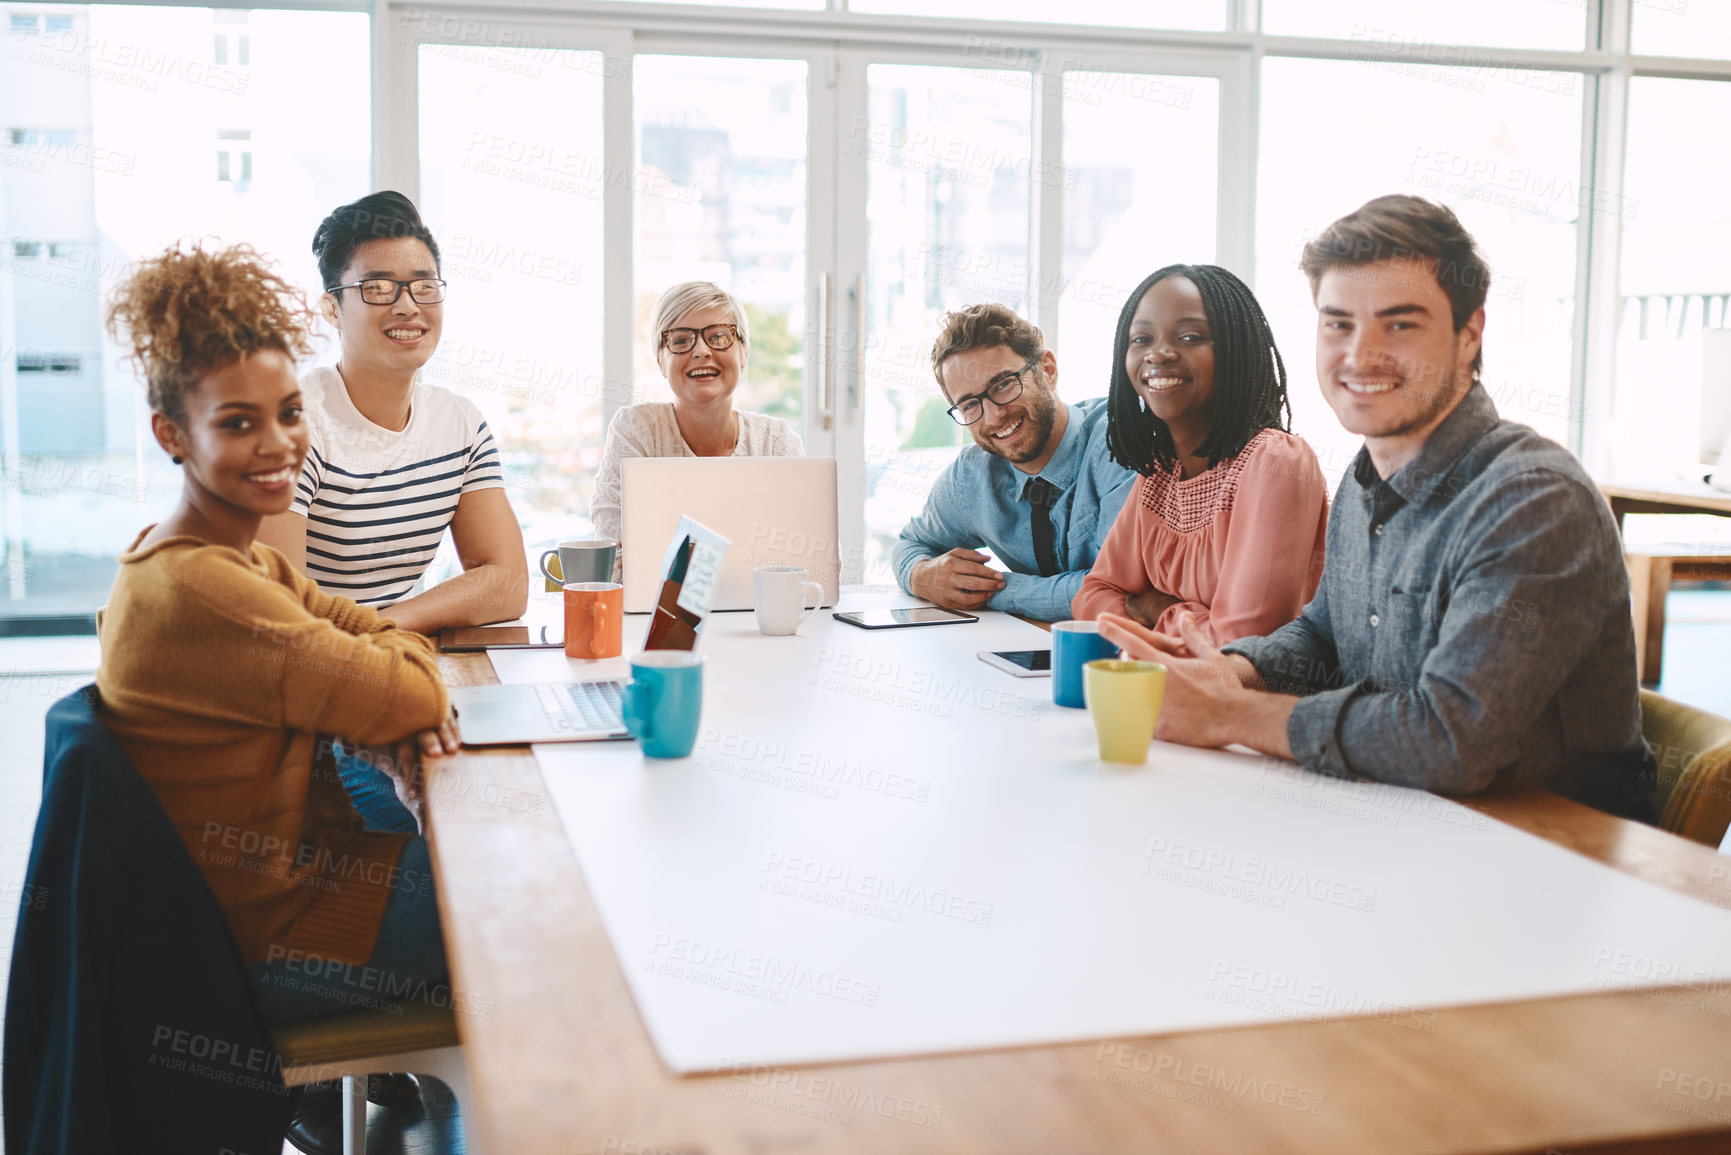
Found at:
(702, 344)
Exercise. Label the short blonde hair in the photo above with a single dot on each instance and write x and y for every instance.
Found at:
(688, 295)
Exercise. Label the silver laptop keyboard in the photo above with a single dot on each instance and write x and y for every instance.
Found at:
(581, 707)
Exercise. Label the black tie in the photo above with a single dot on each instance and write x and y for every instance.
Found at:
(1041, 494)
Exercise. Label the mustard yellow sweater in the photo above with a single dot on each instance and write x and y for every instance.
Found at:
(218, 673)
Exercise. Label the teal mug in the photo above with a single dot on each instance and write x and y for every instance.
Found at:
(1074, 645)
(664, 701)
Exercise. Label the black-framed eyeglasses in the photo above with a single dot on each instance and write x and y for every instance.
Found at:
(384, 291)
(717, 337)
(1001, 392)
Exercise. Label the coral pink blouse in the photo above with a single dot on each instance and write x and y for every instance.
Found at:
(1241, 545)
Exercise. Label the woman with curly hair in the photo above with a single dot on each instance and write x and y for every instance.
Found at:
(1228, 521)
(222, 666)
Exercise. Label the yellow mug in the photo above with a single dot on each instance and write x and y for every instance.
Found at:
(1124, 700)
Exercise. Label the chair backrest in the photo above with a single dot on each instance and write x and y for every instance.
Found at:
(131, 1021)
(1693, 750)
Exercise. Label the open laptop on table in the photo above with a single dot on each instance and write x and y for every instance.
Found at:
(509, 715)
(775, 511)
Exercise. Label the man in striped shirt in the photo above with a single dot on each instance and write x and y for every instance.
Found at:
(394, 462)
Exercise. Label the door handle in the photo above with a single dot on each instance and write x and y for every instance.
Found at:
(825, 384)
(856, 387)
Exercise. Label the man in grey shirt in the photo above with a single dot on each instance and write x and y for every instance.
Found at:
(1473, 617)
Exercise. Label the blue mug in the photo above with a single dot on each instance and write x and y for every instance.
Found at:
(1074, 645)
(663, 702)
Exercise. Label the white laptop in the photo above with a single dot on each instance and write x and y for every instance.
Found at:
(589, 711)
(774, 510)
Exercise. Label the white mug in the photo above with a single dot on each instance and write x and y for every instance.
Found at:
(779, 598)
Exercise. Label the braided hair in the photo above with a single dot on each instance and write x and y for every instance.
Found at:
(1249, 377)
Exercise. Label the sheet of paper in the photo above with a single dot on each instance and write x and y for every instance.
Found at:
(883, 847)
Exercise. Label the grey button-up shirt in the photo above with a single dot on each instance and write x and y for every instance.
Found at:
(1473, 619)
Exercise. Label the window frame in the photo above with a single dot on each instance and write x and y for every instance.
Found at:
(620, 30)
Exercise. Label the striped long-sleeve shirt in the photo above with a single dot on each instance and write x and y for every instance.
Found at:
(378, 501)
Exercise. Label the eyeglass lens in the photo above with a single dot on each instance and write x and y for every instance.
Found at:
(1002, 391)
(717, 337)
(383, 292)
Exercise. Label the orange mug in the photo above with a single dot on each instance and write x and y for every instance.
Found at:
(594, 620)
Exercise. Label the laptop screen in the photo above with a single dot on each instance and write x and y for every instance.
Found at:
(689, 573)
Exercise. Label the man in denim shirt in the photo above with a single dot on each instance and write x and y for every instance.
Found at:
(1037, 487)
(1473, 617)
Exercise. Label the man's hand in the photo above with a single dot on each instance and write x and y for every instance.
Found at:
(1212, 698)
(958, 580)
(1147, 606)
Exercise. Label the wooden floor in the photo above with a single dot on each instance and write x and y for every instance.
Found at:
(33, 675)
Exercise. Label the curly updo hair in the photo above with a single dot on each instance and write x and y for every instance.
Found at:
(191, 311)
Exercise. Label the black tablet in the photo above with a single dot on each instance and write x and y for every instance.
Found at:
(901, 619)
(473, 639)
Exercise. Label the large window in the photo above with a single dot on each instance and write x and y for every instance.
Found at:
(720, 196)
(1141, 188)
(1672, 399)
(512, 172)
(949, 169)
(126, 133)
(1679, 28)
(1427, 29)
(1501, 147)
(1196, 14)
(852, 169)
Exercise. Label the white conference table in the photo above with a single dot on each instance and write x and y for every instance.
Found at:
(885, 849)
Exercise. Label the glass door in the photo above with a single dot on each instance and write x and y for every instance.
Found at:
(947, 152)
(572, 175)
(512, 169)
(849, 197)
(1050, 186)
(723, 147)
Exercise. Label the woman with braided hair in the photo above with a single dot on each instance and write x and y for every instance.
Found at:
(1228, 520)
